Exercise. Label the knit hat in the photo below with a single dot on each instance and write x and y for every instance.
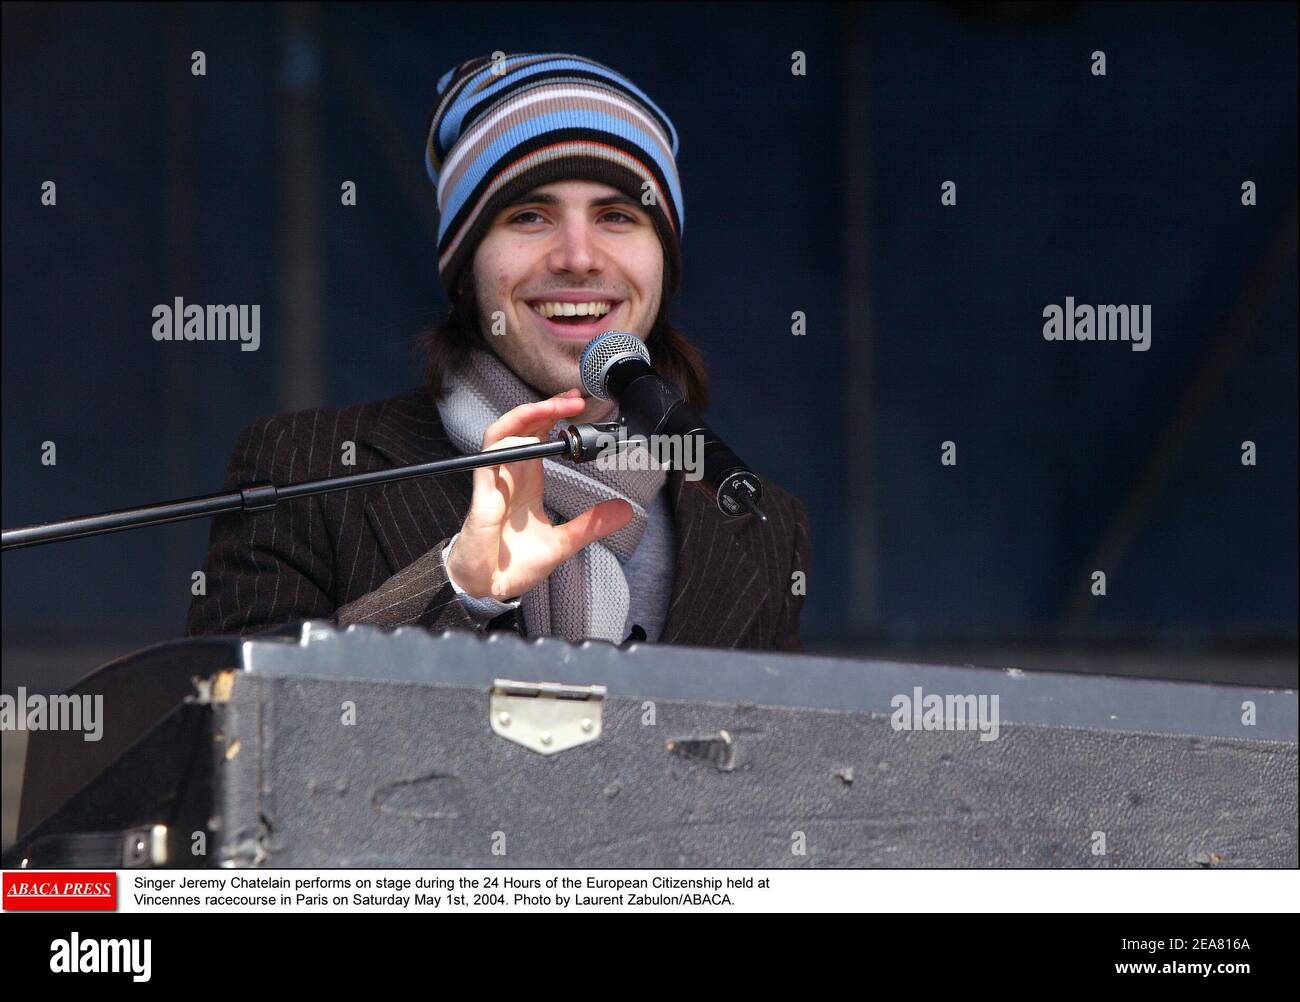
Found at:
(500, 128)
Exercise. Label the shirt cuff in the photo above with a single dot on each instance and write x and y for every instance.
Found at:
(481, 609)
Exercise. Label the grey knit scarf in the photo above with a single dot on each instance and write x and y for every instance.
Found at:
(587, 595)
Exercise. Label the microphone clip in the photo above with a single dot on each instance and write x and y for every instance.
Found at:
(590, 441)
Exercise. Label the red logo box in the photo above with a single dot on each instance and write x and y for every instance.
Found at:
(60, 890)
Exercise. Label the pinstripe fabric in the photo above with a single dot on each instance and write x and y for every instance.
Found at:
(373, 554)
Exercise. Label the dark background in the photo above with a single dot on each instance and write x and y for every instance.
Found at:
(818, 193)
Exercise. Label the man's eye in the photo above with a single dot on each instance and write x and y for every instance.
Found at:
(614, 215)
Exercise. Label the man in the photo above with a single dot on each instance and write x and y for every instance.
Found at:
(560, 218)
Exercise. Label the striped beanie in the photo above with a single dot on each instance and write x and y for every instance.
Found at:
(500, 128)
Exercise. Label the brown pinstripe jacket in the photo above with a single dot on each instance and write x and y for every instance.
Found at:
(374, 554)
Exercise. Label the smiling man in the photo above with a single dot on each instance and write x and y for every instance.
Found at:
(564, 263)
(560, 217)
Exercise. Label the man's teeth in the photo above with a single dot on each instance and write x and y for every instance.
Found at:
(572, 309)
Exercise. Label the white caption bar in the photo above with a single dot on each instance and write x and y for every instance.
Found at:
(520, 890)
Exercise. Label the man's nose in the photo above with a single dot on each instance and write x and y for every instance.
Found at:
(576, 250)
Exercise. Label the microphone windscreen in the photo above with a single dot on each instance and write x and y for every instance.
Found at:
(603, 351)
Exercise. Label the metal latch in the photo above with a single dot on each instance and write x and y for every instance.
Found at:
(547, 717)
(146, 846)
(116, 850)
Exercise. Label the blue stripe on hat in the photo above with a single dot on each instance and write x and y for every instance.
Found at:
(450, 128)
(581, 118)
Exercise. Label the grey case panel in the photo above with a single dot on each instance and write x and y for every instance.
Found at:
(1165, 770)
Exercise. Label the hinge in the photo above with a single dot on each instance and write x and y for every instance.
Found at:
(546, 717)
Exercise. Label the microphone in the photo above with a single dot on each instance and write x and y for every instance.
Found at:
(616, 366)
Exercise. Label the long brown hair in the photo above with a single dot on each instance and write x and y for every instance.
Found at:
(447, 344)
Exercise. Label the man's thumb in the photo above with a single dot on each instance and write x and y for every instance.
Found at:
(595, 523)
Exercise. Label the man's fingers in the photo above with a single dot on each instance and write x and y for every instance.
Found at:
(510, 442)
(596, 523)
(504, 478)
(488, 475)
(534, 418)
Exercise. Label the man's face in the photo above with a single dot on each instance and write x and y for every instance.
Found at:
(570, 247)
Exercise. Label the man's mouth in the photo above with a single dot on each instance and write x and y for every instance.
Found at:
(574, 318)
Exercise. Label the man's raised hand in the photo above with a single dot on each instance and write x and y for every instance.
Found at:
(507, 545)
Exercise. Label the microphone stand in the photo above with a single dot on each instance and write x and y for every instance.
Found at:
(580, 443)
